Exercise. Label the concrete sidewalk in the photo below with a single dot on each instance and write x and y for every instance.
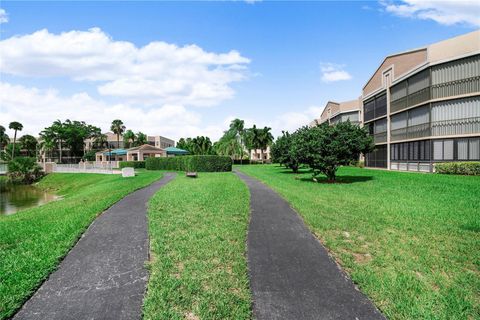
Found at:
(104, 275)
(291, 274)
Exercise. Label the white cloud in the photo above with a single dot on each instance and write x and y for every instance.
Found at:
(3, 16)
(445, 12)
(37, 109)
(291, 121)
(156, 73)
(332, 72)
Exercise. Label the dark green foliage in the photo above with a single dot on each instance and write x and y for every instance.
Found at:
(190, 163)
(28, 145)
(325, 148)
(462, 168)
(24, 170)
(197, 146)
(132, 164)
(89, 155)
(284, 153)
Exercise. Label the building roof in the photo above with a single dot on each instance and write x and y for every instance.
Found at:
(117, 152)
(176, 151)
(145, 147)
(333, 108)
(406, 62)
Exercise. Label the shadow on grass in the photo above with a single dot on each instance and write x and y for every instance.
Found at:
(340, 179)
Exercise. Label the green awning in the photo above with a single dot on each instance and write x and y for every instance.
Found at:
(176, 151)
(116, 152)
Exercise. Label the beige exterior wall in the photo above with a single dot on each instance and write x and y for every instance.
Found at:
(459, 46)
(400, 63)
(256, 154)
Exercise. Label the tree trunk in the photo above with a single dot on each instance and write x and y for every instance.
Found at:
(118, 141)
(331, 175)
(14, 141)
(261, 154)
(60, 150)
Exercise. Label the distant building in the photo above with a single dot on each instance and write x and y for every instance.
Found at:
(256, 154)
(335, 112)
(156, 141)
(161, 142)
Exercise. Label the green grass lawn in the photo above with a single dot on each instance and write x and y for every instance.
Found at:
(33, 241)
(410, 241)
(197, 239)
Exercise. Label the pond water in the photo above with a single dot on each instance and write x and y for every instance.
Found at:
(18, 197)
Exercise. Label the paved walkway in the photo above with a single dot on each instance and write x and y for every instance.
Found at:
(291, 274)
(104, 275)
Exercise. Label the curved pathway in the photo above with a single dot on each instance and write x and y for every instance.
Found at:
(104, 275)
(291, 274)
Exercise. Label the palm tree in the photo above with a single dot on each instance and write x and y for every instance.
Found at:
(4, 139)
(29, 144)
(141, 138)
(118, 128)
(47, 145)
(255, 138)
(100, 141)
(266, 139)
(17, 126)
(127, 137)
(237, 127)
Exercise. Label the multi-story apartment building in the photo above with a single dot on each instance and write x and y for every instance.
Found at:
(335, 112)
(160, 142)
(156, 141)
(423, 106)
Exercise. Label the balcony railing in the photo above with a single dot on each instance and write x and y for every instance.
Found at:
(455, 88)
(411, 132)
(410, 100)
(380, 137)
(456, 126)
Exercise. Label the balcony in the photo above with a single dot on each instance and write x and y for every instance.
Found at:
(411, 132)
(456, 126)
(380, 137)
(455, 88)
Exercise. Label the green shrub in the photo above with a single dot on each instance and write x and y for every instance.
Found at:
(24, 170)
(132, 164)
(191, 163)
(462, 168)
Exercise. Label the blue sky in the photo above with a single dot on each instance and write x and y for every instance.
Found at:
(271, 63)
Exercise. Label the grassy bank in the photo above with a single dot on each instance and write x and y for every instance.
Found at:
(33, 241)
(410, 241)
(197, 239)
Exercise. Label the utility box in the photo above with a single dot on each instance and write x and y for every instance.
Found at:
(128, 172)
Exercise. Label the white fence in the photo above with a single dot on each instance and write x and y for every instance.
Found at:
(86, 167)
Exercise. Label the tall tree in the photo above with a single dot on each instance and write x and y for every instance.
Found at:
(4, 139)
(29, 144)
(129, 138)
(118, 128)
(265, 139)
(100, 141)
(237, 128)
(141, 138)
(16, 126)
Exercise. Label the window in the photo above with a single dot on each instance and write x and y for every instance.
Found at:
(438, 150)
(448, 150)
(462, 149)
(474, 149)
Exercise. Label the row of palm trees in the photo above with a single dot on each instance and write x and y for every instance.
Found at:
(5, 140)
(237, 139)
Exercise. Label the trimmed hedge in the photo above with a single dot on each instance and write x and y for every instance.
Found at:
(132, 164)
(191, 163)
(247, 161)
(463, 168)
